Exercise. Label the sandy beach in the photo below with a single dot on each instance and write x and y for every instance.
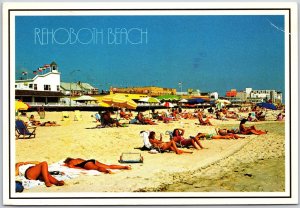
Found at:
(219, 168)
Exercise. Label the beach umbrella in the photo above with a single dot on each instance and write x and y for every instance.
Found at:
(225, 102)
(196, 101)
(120, 101)
(168, 104)
(169, 97)
(183, 101)
(149, 100)
(20, 105)
(103, 104)
(267, 105)
(85, 98)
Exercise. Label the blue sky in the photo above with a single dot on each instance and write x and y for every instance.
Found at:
(209, 53)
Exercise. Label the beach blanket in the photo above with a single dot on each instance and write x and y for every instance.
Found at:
(61, 173)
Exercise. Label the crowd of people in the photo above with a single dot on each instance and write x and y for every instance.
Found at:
(177, 142)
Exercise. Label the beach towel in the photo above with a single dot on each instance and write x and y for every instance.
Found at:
(60, 172)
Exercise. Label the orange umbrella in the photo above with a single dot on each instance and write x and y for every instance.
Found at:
(120, 101)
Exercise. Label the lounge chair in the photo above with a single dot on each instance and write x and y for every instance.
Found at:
(22, 129)
(147, 145)
(77, 116)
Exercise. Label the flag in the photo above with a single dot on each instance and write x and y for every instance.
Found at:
(24, 73)
(47, 65)
(34, 72)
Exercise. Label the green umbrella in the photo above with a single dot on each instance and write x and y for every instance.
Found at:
(169, 97)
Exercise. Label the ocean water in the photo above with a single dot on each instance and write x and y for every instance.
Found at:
(266, 175)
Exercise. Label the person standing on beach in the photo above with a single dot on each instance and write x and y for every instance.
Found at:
(93, 164)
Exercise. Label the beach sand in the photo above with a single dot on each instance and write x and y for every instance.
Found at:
(227, 165)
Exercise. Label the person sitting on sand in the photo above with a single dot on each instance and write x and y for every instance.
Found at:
(125, 115)
(159, 144)
(140, 117)
(92, 164)
(252, 118)
(35, 170)
(249, 130)
(280, 117)
(202, 122)
(228, 132)
(177, 136)
(108, 121)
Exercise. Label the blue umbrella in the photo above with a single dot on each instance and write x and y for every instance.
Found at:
(196, 101)
(267, 105)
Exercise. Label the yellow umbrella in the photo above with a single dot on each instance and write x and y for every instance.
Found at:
(119, 101)
(103, 104)
(19, 105)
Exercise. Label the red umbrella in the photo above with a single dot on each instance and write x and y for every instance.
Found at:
(168, 104)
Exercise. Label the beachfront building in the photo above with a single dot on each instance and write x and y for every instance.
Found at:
(42, 89)
(77, 88)
(256, 96)
(267, 95)
(148, 90)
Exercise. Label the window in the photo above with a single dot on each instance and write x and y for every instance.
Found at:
(35, 86)
(30, 86)
(57, 88)
(47, 87)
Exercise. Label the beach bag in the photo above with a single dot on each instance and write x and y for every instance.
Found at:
(19, 186)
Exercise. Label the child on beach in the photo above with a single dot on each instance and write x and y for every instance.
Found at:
(35, 170)
(92, 164)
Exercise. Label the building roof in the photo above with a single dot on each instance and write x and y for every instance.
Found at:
(38, 93)
(87, 86)
(70, 86)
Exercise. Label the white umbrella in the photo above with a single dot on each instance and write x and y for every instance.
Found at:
(183, 101)
(225, 102)
(85, 98)
(149, 100)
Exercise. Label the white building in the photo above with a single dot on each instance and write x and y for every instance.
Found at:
(41, 89)
(42, 82)
(267, 95)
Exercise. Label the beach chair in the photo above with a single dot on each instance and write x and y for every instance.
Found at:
(65, 116)
(147, 145)
(77, 116)
(23, 130)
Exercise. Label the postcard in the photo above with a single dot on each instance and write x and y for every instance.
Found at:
(150, 103)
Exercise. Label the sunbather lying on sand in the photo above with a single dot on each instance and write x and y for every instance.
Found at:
(140, 117)
(164, 145)
(228, 132)
(35, 170)
(92, 164)
(34, 122)
(249, 130)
